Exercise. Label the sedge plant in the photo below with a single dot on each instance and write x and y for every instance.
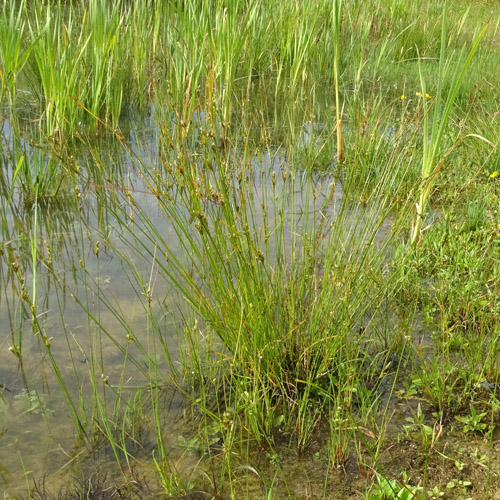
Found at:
(277, 271)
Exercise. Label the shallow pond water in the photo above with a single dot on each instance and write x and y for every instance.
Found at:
(112, 317)
(87, 303)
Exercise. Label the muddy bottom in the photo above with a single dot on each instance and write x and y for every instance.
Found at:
(451, 464)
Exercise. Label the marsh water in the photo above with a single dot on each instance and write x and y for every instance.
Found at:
(114, 323)
(87, 304)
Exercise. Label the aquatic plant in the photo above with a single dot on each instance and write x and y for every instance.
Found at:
(13, 54)
(278, 272)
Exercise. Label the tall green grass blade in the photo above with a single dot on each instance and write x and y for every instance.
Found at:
(433, 159)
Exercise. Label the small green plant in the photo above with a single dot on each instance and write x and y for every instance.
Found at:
(393, 489)
(428, 434)
(435, 493)
(473, 421)
(461, 485)
(480, 458)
